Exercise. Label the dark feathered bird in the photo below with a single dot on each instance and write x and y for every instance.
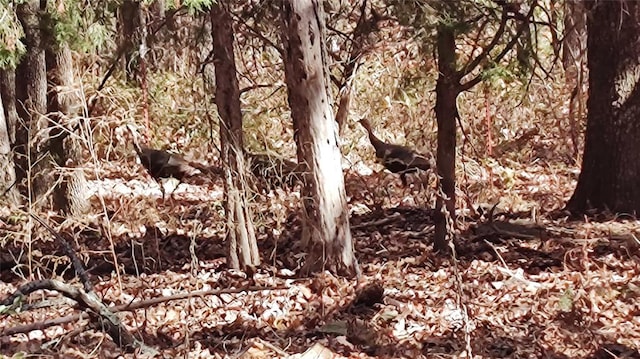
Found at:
(396, 158)
(161, 164)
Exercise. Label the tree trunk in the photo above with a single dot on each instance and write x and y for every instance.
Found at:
(243, 248)
(325, 214)
(7, 171)
(32, 136)
(447, 90)
(366, 26)
(129, 21)
(574, 61)
(574, 43)
(8, 94)
(71, 195)
(155, 18)
(8, 122)
(611, 162)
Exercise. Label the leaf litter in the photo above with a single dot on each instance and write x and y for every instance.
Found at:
(562, 289)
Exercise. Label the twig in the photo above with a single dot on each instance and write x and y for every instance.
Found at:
(69, 251)
(281, 352)
(473, 64)
(253, 87)
(379, 222)
(124, 307)
(256, 32)
(505, 269)
(100, 314)
(202, 293)
(461, 303)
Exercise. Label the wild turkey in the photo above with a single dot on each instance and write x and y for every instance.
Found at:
(396, 158)
(161, 164)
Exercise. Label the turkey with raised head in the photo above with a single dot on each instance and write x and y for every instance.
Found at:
(162, 164)
(396, 158)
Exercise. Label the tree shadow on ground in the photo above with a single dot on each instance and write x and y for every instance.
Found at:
(384, 235)
(143, 245)
(410, 229)
(403, 232)
(354, 332)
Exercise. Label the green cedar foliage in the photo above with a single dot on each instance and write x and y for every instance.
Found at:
(11, 33)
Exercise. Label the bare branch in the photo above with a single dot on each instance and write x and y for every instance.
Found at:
(101, 315)
(468, 68)
(123, 307)
(255, 32)
(365, 26)
(70, 252)
(253, 87)
(521, 28)
(480, 32)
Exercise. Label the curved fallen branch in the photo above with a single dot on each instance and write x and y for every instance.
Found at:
(98, 311)
(115, 309)
(68, 250)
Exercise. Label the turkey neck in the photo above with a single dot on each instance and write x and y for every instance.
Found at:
(375, 141)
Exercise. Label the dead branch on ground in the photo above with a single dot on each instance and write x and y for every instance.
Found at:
(101, 316)
(114, 309)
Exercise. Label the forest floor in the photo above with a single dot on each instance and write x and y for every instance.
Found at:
(526, 282)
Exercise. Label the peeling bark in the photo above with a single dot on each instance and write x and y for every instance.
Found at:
(325, 216)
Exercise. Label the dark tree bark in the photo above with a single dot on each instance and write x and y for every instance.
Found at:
(142, 64)
(611, 162)
(447, 91)
(33, 161)
(243, 248)
(8, 122)
(129, 22)
(449, 85)
(574, 43)
(325, 216)
(65, 101)
(574, 61)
